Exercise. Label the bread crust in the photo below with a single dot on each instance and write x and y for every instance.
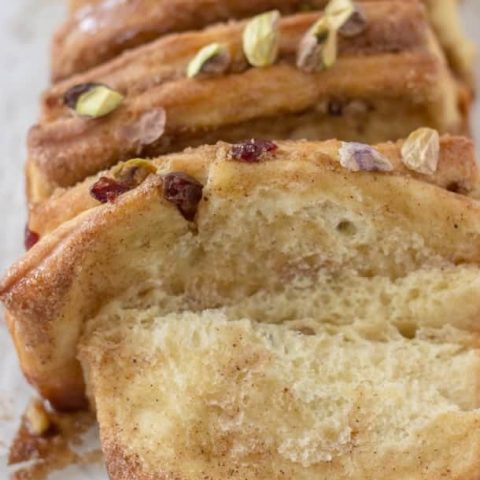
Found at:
(407, 80)
(457, 171)
(79, 266)
(393, 26)
(131, 23)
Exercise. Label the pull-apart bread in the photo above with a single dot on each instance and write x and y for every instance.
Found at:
(211, 396)
(389, 78)
(252, 224)
(99, 30)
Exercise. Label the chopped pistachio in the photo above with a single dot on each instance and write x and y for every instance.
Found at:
(97, 101)
(37, 418)
(358, 157)
(260, 39)
(318, 48)
(213, 58)
(135, 163)
(421, 151)
(133, 172)
(339, 12)
(346, 17)
(355, 25)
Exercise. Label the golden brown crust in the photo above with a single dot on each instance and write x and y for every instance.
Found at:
(412, 85)
(393, 26)
(120, 25)
(102, 30)
(97, 255)
(457, 172)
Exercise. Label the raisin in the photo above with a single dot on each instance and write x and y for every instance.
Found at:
(107, 189)
(184, 191)
(251, 150)
(31, 238)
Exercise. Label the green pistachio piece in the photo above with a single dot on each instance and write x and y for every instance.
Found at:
(260, 39)
(134, 163)
(339, 12)
(98, 101)
(213, 58)
(318, 48)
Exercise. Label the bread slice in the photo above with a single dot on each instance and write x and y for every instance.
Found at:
(211, 396)
(457, 172)
(259, 227)
(388, 81)
(102, 30)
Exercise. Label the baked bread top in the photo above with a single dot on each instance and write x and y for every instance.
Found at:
(100, 30)
(388, 80)
(291, 213)
(457, 171)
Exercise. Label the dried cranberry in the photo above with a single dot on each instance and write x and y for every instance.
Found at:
(72, 95)
(183, 191)
(31, 238)
(107, 189)
(251, 150)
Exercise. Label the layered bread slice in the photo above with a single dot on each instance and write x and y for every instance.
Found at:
(213, 396)
(387, 81)
(218, 225)
(99, 30)
(457, 171)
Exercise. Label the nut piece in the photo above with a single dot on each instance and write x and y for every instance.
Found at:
(143, 130)
(133, 172)
(184, 191)
(339, 12)
(260, 39)
(213, 58)
(358, 157)
(421, 151)
(346, 17)
(93, 100)
(318, 48)
(355, 25)
(37, 418)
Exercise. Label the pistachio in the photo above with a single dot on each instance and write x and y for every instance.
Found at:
(133, 172)
(93, 100)
(37, 418)
(339, 12)
(360, 157)
(144, 130)
(260, 39)
(421, 151)
(318, 48)
(355, 25)
(213, 58)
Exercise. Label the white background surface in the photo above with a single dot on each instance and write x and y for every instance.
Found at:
(25, 31)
